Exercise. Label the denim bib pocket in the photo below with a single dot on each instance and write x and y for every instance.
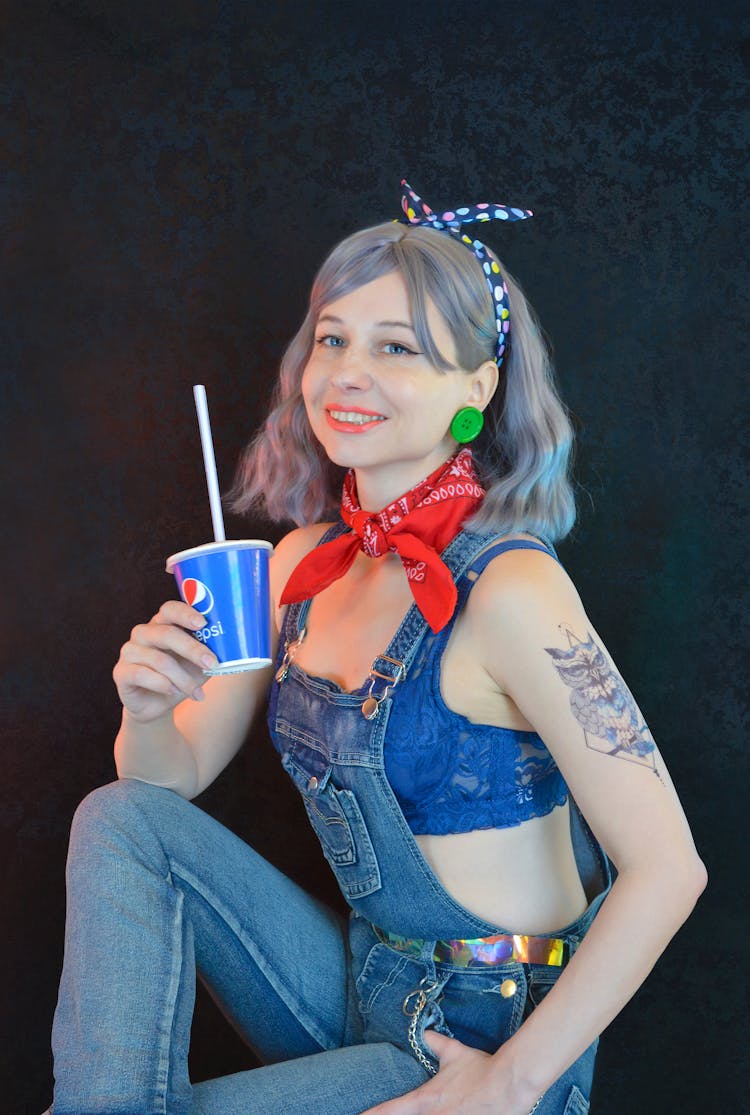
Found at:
(337, 819)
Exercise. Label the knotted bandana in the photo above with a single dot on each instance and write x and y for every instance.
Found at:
(416, 212)
(417, 526)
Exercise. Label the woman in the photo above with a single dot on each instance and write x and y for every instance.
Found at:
(441, 701)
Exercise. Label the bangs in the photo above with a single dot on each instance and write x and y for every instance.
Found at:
(434, 266)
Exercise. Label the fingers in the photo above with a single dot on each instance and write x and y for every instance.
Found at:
(162, 663)
(440, 1044)
(170, 639)
(181, 672)
(181, 615)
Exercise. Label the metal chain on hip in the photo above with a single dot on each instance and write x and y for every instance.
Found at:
(413, 1014)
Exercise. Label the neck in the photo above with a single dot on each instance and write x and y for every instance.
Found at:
(377, 488)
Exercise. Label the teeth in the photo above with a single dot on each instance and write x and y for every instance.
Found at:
(354, 418)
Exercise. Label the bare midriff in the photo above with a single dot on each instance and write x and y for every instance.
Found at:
(522, 879)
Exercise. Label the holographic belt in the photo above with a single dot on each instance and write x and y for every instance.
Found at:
(476, 951)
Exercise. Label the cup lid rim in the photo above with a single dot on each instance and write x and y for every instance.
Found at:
(208, 547)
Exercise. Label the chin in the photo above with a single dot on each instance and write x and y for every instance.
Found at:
(350, 459)
(349, 450)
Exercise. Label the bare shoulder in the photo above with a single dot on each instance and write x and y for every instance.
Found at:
(521, 603)
(299, 542)
(289, 552)
(517, 582)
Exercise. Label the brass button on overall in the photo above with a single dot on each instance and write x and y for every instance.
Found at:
(507, 988)
(313, 783)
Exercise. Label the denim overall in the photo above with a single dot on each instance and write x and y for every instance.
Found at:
(159, 890)
(334, 754)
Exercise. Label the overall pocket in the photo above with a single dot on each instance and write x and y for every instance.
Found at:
(577, 1104)
(337, 819)
(483, 1007)
(541, 978)
(387, 984)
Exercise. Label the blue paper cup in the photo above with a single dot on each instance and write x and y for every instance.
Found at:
(228, 583)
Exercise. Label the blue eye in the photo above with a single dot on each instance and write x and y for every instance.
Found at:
(393, 348)
(329, 340)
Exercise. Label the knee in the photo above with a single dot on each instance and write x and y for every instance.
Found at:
(118, 804)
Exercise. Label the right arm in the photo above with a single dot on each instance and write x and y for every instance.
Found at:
(180, 729)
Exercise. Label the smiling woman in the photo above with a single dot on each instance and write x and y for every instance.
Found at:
(523, 455)
(374, 400)
(466, 751)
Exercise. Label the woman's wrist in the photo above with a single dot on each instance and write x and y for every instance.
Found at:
(520, 1080)
(155, 752)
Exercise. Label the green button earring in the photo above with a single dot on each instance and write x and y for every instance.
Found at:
(467, 424)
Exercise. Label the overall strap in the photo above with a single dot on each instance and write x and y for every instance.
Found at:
(499, 547)
(489, 548)
(472, 573)
(466, 557)
(461, 555)
(403, 647)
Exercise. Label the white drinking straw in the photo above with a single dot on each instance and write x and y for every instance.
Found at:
(209, 462)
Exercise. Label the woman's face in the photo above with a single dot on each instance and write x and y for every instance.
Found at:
(374, 400)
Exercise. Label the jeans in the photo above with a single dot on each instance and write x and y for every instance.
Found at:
(156, 889)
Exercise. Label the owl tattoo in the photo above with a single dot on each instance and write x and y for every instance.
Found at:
(602, 703)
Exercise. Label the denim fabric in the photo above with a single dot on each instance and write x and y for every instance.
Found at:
(157, 889)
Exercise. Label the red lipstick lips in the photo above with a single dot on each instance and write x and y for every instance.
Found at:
(356, 426)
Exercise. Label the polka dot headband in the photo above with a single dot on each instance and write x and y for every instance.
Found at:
(416, 212)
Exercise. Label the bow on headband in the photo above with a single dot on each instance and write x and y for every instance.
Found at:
(416, 212)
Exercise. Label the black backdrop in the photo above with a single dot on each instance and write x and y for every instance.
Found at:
(172, 174)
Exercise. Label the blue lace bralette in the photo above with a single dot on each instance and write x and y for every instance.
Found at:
(451, 775)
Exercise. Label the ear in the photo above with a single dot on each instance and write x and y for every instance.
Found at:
(482, 384)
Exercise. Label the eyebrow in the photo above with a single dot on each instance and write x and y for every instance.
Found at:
(387, 324)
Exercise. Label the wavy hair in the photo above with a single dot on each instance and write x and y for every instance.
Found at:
(524, 452)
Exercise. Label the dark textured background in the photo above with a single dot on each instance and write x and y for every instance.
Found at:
(172, 174)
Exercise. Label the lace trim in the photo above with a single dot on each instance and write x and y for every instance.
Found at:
(453, 775)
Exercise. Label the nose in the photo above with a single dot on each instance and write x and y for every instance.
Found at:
(351, 370)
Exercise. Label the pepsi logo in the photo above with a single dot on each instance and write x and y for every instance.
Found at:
(197, 595)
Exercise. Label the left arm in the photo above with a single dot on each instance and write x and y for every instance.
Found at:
(539, 647)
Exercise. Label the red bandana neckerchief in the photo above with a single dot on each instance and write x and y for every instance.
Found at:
(417, 526)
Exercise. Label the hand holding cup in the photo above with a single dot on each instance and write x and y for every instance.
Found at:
(228, 583)
(162, 663)
(221, 625)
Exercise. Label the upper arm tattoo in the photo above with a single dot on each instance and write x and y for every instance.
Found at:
(602, 703)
